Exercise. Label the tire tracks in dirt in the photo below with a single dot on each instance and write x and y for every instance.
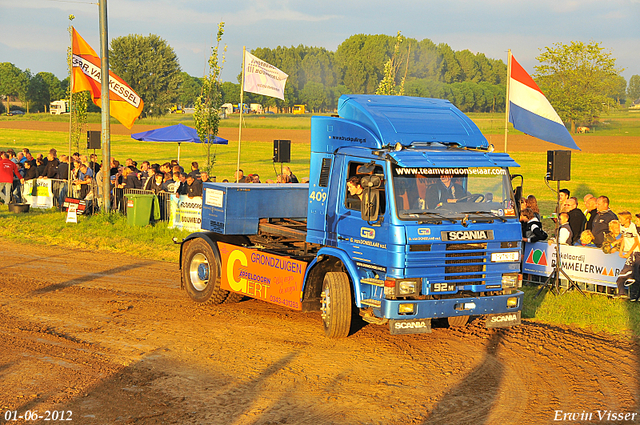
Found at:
(114, 339)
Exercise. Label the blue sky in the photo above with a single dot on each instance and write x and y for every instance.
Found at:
(34, 32)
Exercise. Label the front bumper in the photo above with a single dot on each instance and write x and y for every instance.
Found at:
(433, 309)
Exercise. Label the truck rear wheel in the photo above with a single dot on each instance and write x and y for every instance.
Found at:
(457, 321)
(336, 304)
(200, 273)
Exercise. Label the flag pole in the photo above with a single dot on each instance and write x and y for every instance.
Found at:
(106, 113)
(241, 106)
(506, 114)
(70, 117)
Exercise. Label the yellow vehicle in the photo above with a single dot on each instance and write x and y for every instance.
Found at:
(176, 109)
(299, 109)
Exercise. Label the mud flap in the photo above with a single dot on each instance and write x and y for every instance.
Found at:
(503, 320)
(404, 327)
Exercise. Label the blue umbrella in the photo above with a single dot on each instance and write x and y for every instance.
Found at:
(175, 133)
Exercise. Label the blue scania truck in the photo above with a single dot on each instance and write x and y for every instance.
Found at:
(408, 217)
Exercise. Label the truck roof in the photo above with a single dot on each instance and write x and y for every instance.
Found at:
(405, 120)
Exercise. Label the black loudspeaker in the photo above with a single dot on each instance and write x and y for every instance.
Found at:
(559, 165)
(93, 140)
(282, 151)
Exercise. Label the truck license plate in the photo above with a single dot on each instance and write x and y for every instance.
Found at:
(503, 320)
(415, 326)
(443, 287)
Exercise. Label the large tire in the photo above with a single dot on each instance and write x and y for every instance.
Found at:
(201, 273)
(457, 321)
(336, 305)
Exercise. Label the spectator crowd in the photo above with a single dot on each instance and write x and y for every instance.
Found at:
(87, 176)
(596, 226)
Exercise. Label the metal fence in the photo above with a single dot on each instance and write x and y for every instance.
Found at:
(60, 190)
(535, 280)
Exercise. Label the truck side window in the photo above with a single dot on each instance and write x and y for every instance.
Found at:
(354, 189)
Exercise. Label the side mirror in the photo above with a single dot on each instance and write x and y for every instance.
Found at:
(517, 192)
(370, 197)
(370, 205)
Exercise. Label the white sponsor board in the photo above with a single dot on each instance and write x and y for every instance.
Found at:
(185, 213)
(38, 193)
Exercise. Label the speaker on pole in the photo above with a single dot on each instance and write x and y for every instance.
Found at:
(93, 140)
(559, 165)
(282, 151)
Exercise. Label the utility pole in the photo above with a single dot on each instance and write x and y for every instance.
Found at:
(106, 128)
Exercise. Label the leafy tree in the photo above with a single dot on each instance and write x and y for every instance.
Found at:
(620, 90)
(315, 96)
(387, 85)
(13, 82)
(207, 105)
(230, 93)
(577, 79)
(37, 93)
(190, 89)
(633, 90)
(53, 87)
(150, 66)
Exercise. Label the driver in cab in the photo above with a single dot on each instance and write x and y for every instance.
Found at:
(354, 196)
(450, 192)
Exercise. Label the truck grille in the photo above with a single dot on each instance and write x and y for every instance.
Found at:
(465, 265)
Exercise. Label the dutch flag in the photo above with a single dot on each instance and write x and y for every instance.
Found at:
(531, 112)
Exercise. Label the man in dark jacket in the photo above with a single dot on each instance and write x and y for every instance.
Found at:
(576, 219)
(592, 212)
(194, 186)
(602, 219)
(51, 169)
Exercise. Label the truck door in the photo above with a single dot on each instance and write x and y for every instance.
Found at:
(365, 242)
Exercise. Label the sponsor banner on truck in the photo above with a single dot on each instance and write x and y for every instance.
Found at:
(185, 213)
(272, 278)
(581, 264)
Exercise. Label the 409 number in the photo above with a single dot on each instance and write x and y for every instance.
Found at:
(318, 196)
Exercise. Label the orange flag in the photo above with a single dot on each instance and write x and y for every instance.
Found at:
(124, 104)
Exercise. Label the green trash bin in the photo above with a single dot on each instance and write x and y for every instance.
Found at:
(139, 208)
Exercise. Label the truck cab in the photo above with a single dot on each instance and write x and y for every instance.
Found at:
(434, 232)
(408, 216)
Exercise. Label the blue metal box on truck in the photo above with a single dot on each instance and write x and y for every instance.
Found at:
(236, 208)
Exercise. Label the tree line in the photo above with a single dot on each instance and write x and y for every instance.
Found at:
(317, 76)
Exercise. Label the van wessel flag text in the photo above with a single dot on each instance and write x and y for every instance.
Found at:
(125, 105)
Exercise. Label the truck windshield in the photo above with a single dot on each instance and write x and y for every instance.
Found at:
(451, 192)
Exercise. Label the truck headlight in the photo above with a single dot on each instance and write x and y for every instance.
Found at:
(511, 280)
(407, 287)
(406, 308)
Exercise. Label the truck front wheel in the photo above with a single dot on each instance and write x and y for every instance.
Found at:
(336, 304)
(200, 273)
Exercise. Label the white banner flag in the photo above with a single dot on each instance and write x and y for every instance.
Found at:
(263, 78)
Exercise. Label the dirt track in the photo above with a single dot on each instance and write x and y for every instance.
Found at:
(114, 340)
(516, 143)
